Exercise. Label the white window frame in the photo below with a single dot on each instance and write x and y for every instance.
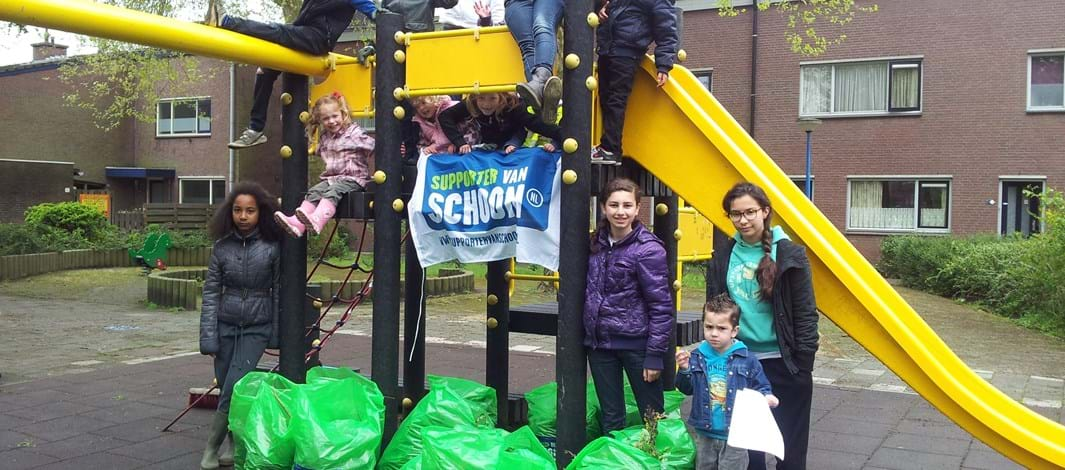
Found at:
(210, 187)
(1028, 83)
(702, 72)
(832, 101)
(800, 182)
(171, 102)
(916, 179)
(1007, 178)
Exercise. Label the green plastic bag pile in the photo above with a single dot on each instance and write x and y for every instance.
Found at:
(543, 412)
(673, 444)
(333, 421)
(633, 414)
(467, 448)
(451, 403)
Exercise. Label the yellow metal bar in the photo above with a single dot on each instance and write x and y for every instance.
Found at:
(534, 277)
(687, 210)
(362, 114)
(106, 21)
(513, 285)
(690, 258)
(467, 90)
(475, 32)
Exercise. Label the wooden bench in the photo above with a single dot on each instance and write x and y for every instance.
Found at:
(542, 319)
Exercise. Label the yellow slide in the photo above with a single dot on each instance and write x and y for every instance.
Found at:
(686, 138)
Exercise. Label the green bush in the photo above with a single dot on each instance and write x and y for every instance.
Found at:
(915, 260)
(340, 247)
(70, 217)
(20, 239)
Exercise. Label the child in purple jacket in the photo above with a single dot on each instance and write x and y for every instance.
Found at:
(628, 306)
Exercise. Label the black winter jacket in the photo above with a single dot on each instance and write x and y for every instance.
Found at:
(417, 14)
(794, 307)
(509, 128)
(631, 25)
(330, 17)
(242, 287)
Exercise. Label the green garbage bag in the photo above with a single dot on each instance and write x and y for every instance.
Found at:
(260, 418)
(675, 447)
(474, 448)
(607, 452)
(634, 415)
(450, 403)
(413, 464)
(543, 413)
(341, 421)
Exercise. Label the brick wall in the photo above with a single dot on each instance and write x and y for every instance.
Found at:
(51, 182)
(973, 127)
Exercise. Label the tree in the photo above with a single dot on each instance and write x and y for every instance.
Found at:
(805, 18)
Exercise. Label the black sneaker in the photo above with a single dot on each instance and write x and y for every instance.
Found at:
(601, 156)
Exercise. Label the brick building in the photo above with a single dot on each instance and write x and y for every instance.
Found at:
(936, 114)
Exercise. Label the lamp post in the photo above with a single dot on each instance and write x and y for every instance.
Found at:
(808, 125)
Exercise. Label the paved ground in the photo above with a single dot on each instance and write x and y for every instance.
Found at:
(91, 375)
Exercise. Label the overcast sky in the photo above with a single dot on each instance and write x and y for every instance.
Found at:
(16, 49)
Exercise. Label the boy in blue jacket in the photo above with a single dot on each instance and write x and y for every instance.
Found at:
(712, 374)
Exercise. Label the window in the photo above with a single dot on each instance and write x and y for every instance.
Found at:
(860, 88)
(183, 117)
(706, 77)
(909, 204)
(1046, 82)
(800, 181)
(202, 190)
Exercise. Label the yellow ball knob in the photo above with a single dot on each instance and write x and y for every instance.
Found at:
(591, 83)
(398, 93)
(492, 323)
(661, 209)
(397, 205)
(682, 55)
(214, 382)
(316, 343)
(677, 234)
(569, 145)
(593, 19)
(398, 37)
(305, 117)
(379, 177)
(286, 151)
(492, 299)
(286, 98)
(399, 56)
(676, 285)
(572, 61)
(398, 112)
(317, 303)
(507, 275)
(407, 402)
(569, 176)
(371, 205)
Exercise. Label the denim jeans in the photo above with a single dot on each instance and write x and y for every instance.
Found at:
(607, 366)
(533, 24)
(715, 454)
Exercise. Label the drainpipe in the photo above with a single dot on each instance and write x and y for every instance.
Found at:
(754, 68)
(232, 123)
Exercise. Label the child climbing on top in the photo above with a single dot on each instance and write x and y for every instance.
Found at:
(346, 149)
(712, 374)
(316, 30)
(427, 110)
(626, 29)
(500, 119)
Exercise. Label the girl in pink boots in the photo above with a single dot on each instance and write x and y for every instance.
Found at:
(346, 149)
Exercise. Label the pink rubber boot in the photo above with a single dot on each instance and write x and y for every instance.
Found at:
(316, 220)
(290, 223)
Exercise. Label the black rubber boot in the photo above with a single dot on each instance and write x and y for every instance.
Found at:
(215, 435)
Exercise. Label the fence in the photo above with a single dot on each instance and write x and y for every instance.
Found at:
(19, 266)
(176, 288)
(169, 215)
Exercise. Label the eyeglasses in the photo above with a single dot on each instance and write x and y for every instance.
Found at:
(747, 214)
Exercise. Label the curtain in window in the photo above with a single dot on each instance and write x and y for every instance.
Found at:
(861, 87)
(1048, 75)
(816, 89)
(905, 87)
(867, 208)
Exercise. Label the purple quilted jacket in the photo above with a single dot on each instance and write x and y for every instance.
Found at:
(628, 303)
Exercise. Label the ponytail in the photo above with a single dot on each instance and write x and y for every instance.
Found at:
(767, 268)
(314, 123)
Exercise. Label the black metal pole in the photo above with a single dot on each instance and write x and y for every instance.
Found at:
(388, 209)
(497, 353)
(570, 359)
(665, 227)
(413, 328)
(293, 250)
(312, 331)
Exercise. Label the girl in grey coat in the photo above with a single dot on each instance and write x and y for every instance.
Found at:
(240, 299)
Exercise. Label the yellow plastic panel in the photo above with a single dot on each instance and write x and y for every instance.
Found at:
(354, 81)
(686, 138)
(697, 235)
(461, 61)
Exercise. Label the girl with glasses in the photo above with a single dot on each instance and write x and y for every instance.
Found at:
(769, 277)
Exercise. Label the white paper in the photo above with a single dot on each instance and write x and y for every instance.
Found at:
(753, 426)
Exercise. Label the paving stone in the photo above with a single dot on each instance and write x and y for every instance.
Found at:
(981, 460)
(62, 428)
(99, 460)
(19, 459)
(852, 426)
(78, 446)
(8, 421)
(908, 460)
(12, 440)
(51, 411)
(139, 431)
(874, 415)
(931, 428)
(930, 444)
(38, 397)
(129, 412)
(848, 443)
(181, 462)
(160, 449)
(831, 460)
